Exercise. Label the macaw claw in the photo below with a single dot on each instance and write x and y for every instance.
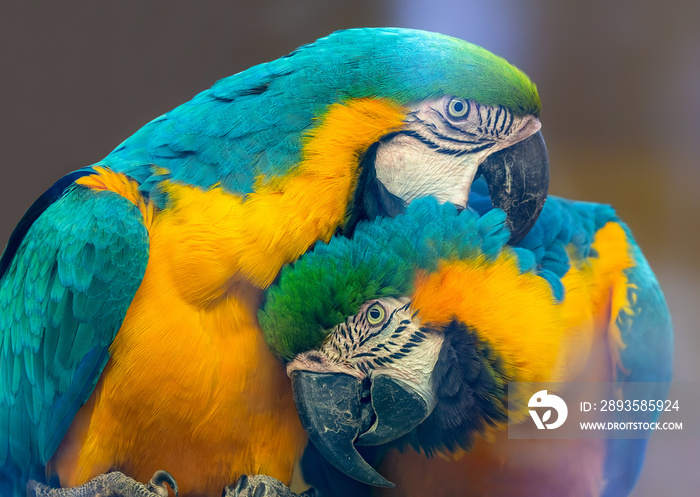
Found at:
(157, 483)
(262, 486)
(114, 484)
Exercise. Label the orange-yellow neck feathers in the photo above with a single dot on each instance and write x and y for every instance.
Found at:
(515, 313)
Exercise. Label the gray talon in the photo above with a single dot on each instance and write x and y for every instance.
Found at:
(159, 478)
(260, 490)
(242, 482)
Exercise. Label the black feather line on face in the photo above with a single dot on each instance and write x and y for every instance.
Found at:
(468, 376)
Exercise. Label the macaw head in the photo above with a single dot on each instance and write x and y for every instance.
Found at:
(466, 113)
(409, 332)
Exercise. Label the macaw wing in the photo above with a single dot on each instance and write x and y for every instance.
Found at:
(67, 278)
(645, 355)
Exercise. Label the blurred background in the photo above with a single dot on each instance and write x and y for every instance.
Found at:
(619, 82)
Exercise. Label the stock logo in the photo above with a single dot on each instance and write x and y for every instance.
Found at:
(544, 399)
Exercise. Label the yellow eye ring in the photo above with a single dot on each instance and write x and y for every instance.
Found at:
(458, 108)
(376, 314)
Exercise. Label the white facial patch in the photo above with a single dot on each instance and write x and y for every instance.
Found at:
(411, 170)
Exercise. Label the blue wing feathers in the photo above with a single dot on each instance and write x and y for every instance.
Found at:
(85, 379)
(63, 297)
(646, 357)
(649, 327)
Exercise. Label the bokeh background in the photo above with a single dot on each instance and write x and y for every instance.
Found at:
(619, 81)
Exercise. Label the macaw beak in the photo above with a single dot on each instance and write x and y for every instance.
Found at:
(518, 180)
(330, 407)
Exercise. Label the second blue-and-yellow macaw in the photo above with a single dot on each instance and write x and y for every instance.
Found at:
(129, 291)
(400, 344)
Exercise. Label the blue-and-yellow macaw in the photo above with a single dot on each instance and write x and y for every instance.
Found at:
(400, 344)
(129, 291)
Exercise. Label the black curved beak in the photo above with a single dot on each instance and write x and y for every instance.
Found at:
(329, 410)
(329, 407)
(518, 180)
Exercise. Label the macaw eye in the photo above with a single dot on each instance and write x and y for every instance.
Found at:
(376, 314)
(458, 108)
